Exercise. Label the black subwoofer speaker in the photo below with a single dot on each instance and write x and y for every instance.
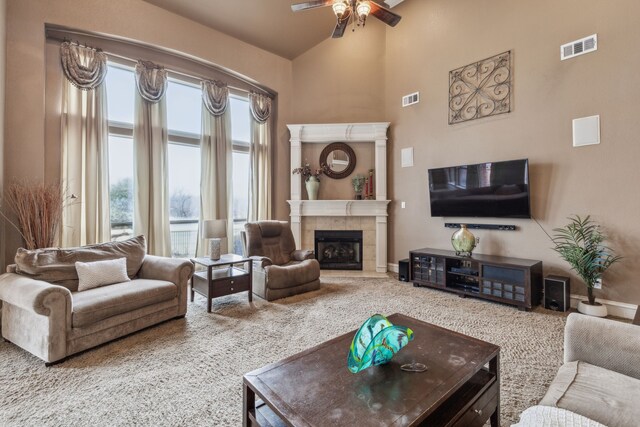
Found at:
(403, 270)
(556, 293)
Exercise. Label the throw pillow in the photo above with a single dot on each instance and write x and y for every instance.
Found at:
(100, 273)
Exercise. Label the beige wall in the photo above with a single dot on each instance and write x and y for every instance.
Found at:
(25, 148)
(436, 36)
(548, 93)
(342, 80)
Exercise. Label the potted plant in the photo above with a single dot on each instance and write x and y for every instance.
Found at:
(311, 178)
(581, 244)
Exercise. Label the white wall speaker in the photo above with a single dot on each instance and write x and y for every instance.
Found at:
(586, 131)
(406, 157)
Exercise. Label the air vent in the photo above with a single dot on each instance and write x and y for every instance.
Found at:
(579, 47)
(410, 99)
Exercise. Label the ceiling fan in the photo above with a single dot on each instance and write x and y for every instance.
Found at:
(355, 11)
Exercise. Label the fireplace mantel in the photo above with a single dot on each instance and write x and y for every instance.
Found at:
(338, 207)
(375, 133)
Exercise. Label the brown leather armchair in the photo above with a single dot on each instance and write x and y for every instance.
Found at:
(279, 270)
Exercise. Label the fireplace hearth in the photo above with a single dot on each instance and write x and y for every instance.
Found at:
(339, 249)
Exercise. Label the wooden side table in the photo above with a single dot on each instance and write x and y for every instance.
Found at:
(218, 282)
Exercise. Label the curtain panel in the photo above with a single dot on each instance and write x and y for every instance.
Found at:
(216, 161)
(84, 145)
(151, 163)
(260, 158)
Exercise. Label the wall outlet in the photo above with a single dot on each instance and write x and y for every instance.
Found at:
(403, 205)
(598, 284)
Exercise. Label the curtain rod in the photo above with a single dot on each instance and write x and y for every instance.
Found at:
(53, 34)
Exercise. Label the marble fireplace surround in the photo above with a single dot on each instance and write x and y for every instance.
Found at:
(370, 216)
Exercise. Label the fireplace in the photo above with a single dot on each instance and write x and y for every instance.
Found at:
(339, 249)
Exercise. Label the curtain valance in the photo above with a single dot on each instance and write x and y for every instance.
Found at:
(215, 96)
(151, 80)
(84, 67)
(260, 107)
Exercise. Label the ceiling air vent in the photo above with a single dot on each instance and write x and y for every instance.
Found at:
(410, 99)
(579, 47)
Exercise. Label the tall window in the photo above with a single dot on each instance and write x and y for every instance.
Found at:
(120, 98)
(184, 120)
(184, 103)
(240, 133)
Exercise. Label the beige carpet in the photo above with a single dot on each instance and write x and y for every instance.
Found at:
(189, 372)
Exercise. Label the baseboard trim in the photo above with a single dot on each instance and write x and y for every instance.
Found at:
(614, 308)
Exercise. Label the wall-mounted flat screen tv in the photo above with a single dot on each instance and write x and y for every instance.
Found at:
(494, 189)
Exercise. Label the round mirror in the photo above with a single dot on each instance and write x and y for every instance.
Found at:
(340, 160)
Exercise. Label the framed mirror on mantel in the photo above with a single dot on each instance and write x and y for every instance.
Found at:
(340, 160)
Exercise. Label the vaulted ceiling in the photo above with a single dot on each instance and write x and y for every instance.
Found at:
(267, 24)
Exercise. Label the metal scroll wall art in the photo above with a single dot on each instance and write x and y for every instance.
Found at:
(481, 89)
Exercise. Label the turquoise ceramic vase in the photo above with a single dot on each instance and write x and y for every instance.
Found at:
(463, 241)
(376, 342)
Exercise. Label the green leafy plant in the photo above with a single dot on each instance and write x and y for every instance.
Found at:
(581, 244)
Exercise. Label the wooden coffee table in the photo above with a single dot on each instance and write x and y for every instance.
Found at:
(461, 386)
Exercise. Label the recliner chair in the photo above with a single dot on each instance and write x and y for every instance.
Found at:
(279, 270)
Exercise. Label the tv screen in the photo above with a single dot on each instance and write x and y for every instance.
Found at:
(495, 189)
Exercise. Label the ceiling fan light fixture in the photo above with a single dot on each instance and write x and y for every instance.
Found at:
(339, 8)
(362, 10)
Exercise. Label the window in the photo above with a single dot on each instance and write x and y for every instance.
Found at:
(240, 134)
(120, 99)
(184, 120)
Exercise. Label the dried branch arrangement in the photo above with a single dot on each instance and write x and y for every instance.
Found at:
(38, 208)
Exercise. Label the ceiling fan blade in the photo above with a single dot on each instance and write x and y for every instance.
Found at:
(384, 14)
(310, 5)
(340, 27)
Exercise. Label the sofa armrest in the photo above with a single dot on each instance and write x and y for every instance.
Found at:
(301, 255)
(261, 261)
(609, 344)
(174, 270)
(38, 315)
(32, 295)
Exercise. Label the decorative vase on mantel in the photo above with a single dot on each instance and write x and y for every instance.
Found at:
(312, 184)
(463, 241)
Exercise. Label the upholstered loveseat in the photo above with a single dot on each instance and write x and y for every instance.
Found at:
(45, 314)
(599, 383)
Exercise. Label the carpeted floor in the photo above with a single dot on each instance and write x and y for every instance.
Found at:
(189, 371)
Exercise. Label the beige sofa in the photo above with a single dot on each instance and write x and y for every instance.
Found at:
(279, 270)
(44, 313)
(600, 378)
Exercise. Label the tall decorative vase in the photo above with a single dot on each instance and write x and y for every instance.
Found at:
(463, 241)
(312, 184)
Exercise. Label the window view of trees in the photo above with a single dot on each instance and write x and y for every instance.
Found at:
(184, 121)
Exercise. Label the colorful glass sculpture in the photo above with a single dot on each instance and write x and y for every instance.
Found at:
(376, 342)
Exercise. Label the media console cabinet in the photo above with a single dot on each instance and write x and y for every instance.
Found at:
(508, 280)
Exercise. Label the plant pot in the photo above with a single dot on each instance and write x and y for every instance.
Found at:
(313, 184)
(596, 310)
